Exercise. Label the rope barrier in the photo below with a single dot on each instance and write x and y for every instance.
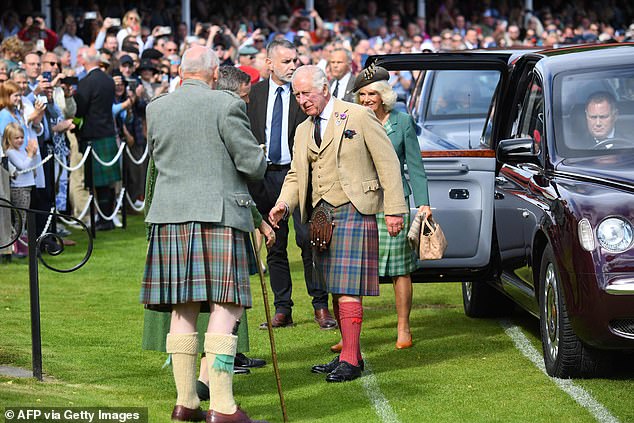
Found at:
(113, 161)
(31, 169)
(137, 209)
(81, 215)
(143, 157)
(80, 164)
(116, 209)
(48, 221)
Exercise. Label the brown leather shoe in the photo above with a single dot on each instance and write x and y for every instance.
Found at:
(337, 347)
(280, 320)
(184, 414)
(324, 319)
(238, 417)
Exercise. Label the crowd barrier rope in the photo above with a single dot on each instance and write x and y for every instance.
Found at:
(91, 198)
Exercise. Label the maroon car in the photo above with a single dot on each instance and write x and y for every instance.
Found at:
(540, 212)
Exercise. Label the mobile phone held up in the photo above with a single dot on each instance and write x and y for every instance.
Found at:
(115, 22)
(70, 80)
(47, 75)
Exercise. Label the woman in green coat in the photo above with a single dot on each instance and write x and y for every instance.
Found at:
(396, 258)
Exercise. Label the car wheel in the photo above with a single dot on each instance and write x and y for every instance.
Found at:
(480, 299)
(565, 355)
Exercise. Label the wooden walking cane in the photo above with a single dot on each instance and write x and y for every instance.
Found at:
(276, 367)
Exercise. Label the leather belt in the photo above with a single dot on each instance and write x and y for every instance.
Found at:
(278, 167)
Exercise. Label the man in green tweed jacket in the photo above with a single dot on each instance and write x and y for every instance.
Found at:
(204, 152)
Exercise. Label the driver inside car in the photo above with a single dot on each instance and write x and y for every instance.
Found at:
(601, 117)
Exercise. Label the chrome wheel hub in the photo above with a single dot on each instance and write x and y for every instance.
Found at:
(551, 311)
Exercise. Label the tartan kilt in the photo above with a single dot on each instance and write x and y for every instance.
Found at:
(195, 262)
(350, 264)
(106, 149)
(396, 257)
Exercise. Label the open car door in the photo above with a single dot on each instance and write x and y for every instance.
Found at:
(451, 99)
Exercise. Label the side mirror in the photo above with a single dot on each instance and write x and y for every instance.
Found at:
(518, 150)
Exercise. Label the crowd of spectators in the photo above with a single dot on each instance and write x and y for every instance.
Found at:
(141, 48)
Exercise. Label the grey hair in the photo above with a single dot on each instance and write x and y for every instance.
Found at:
(348, 53)
(275, 44)
(202, 64)
(385, 90)
(319, 76)
(231, 79)
(95, 57)
(17, 71)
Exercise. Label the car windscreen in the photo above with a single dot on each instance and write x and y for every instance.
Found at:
(593, 112)
(454, 106)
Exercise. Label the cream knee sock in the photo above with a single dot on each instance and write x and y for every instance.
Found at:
(221, 351)
(184, 350)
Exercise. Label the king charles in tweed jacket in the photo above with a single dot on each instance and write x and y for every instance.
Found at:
(366, 163)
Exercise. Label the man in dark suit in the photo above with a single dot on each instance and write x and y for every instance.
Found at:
(274, 115)
(94, 98)
(342, 82)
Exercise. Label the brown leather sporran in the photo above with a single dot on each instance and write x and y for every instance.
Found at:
(321, 224)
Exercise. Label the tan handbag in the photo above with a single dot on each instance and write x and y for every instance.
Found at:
(433, 243)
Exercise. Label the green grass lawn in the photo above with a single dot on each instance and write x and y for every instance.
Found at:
(459, 370)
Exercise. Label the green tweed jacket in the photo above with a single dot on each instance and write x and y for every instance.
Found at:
(401, 130)
(203, 153)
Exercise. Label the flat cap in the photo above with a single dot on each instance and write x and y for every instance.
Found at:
(369, 75)
(248, 51)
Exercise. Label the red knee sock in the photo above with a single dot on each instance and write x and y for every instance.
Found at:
(351, 317)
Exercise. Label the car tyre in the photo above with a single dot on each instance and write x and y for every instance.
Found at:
(565, 356)
(480, 299)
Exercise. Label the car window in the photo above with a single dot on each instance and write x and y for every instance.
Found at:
(452, 108)
(531, 120)
(595, 112)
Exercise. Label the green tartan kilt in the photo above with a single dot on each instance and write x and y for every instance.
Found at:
(195, 262)
(396, 258)
(106, 149)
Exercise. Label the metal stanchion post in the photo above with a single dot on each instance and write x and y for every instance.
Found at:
(34, 285)
(89, 183)
(51, 177)
(124, 186)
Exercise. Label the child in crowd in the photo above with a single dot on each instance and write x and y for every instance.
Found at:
(22, 183)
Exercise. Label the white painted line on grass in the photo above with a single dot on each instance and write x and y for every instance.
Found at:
(577, 393)
(381, 405)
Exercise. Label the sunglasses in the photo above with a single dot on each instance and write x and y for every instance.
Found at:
(52, 63)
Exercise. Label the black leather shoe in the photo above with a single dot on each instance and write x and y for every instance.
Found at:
(237, 370)
(202, 390)
(242, 360)
(280, 320)
(344, 372)
(104, 225)
(329, 367)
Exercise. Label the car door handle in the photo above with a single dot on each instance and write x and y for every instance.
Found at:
(447, 170)
(525, 214)
(459, 194)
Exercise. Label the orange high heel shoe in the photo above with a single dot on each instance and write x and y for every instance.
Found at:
(337, 347)
(405, 344)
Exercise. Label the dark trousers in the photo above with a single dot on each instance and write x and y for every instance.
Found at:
(265, 193)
